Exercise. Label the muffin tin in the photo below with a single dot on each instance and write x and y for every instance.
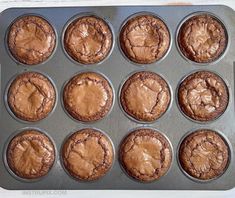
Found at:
(116, 67)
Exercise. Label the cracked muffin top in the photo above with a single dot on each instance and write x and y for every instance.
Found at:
(88, 96)
(202, 38)
(30, 154)
(145, 154)
(87, 154)
(88, 40)
(145, 96)
(204, 154)
(31, 40)
(144, 39)
(203, 96)
(31, 96)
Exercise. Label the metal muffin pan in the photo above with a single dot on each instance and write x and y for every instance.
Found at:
(116, 125)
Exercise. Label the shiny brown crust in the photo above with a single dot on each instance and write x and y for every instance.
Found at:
(94, 99)
(30, 154)
(144, 39)
(31, 40)
(87, 154)
(203, 96)
(88, 39)
(145, 154)
(151, 106)
(202, 38)
(31, 96)
(204, 154)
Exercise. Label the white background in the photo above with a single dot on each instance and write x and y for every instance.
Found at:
(109, 193)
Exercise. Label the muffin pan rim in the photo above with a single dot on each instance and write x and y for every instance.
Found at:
(223, 137)
(6, 36)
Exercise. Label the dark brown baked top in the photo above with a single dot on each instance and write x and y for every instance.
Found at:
(145, 96)
(88, 96)
(145, 154)
(87, 154)
(30, 154)
(203, 96)
(204, 154)
(31, 96)
(202, 38)
(144, 39)
(31, 40)
(88, 40)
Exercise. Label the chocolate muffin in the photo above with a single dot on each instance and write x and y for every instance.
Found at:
(31, 40)
(88, 40)
(31, 96)
(30, 154)
(204, 154)
(144, 39)
(202, 38)
(88, 96)
(203, 96)
(87, 154)
(145, 154)
(145, 96)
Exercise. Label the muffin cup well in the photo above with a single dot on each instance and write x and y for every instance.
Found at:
(87, 14)
(7, 36)
(188, 117)
(134, 119)
(4, 155)
(120, 160)
(61, 155)
(62, 100)
(198, 13)
(226, 141)
(136, 15)
(6, 97)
